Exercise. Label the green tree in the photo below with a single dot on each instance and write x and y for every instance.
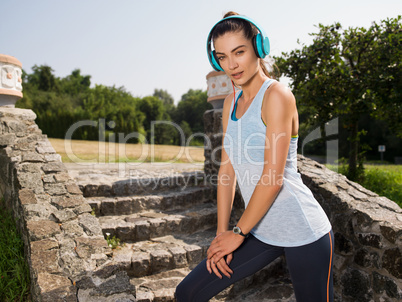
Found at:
(43, 78)
(191, 109)
(152, 108)
(334, 76)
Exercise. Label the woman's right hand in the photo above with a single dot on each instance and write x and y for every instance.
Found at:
(222, 266)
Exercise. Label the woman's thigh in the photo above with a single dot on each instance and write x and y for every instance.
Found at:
(310, 269)
(250, 257)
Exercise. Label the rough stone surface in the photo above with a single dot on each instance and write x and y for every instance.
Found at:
(64, 242)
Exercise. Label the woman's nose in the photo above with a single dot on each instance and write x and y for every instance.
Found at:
(232, 63)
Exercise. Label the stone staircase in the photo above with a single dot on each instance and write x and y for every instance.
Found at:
(166, 224)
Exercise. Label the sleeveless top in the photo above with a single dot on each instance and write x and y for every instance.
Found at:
(295, 217)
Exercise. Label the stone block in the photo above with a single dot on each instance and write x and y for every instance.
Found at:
(38, 212)
(62, 177)
(173, 223)
(364, 258)
(161, 260)
(179, 256)
(164, 294)
(44, 245)
(141, 264)
(27, 196)
(382, 283)
(64, 215)
(105, 190)
(7, 139)
(73, 188)
(90, 190)
(126, 232)
(194, 254)
(54, 167)
(46, 261)
(123, 258)
(29, 167)
(125, 206)
(147, 296)
(83, 208)
(392, 262)
(52, 157)
(32, 157)
(157, 227)
(356, 285)
(48, 178)
(372, 240)
(72, 229)
(142, 230)
(88, 246)
(31, 181)
(49, 283)
(89, 295)
(45, 149)
(62, 202)
(55, 188)
(42, 229)
(90, 224)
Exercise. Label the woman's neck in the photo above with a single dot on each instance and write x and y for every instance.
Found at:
(251, 88)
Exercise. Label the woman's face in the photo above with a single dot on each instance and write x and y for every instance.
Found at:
(236, 56)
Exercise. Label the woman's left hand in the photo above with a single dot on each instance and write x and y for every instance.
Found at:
(224, 244)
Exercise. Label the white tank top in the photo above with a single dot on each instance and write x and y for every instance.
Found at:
(295, 218)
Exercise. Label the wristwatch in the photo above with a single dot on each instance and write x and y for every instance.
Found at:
(238, 231)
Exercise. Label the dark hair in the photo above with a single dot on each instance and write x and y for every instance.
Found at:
(238, 25)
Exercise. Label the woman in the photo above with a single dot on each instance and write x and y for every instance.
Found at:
(260, 127)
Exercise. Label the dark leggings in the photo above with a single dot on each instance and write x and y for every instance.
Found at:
(310, 269)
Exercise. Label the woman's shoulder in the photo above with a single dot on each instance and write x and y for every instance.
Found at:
(279, 92)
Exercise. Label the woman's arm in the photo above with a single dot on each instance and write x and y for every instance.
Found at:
(225, 194)
(279, 108)
(226, 176)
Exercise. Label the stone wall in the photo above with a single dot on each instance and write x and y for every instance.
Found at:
(367, 227)
(68, 257)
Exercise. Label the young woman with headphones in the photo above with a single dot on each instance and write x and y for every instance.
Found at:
(260, 133)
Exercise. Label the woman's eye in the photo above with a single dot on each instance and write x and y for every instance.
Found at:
(240, 52)
(220, 58)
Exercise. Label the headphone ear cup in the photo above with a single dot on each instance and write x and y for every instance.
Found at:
(259, 46)
(214, 61)
(254, 41)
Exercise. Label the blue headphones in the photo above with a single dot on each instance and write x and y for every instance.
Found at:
(260, 42)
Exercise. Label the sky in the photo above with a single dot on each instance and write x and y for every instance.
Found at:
(148, 44)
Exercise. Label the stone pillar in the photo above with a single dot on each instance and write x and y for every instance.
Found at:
(10, 80)
(219, 87)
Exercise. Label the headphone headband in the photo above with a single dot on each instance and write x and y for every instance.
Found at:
(261, 43)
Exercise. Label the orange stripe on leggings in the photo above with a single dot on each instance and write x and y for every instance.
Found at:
(329, 271)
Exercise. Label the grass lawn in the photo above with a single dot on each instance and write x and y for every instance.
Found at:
(14, 271)
(385, 180)
(105, 152)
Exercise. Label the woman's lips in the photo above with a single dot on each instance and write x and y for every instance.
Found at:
(237, 75)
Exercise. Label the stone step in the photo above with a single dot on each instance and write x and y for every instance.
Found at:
(161, 254)
(147, 225)
(174, 199)
(142, 185)
(270, 284)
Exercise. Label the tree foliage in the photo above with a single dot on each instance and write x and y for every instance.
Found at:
(61, 103)
(349, 73)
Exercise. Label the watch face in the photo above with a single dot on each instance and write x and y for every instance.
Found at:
(236, 230)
